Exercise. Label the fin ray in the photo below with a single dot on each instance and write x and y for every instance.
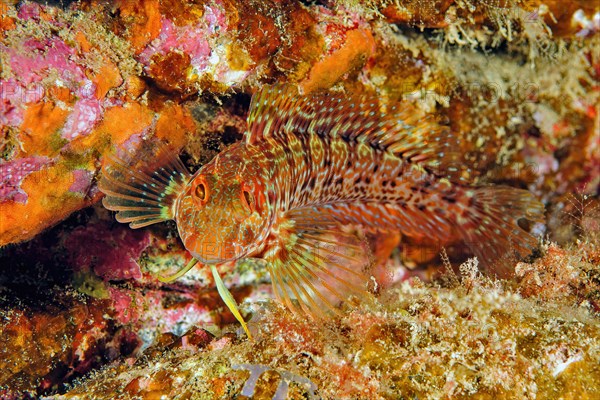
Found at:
(402, 130)
(493, 232)
(143, 194)
(139, 192)
(305, 300)
(136, 175)
(307, 266)
(323, 299)
(298, 258)
(124, 197)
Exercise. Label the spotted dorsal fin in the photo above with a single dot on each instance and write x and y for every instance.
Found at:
(400, 129)
(271, 108)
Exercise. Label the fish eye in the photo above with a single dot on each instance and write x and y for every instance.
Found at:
(248, 199)
(200, 192)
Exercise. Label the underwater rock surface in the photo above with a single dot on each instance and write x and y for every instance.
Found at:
(82, 309)
(473, 338)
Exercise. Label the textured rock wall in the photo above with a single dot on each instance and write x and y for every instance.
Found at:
(518, 80)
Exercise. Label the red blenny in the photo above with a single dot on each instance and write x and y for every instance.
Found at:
(307, 167)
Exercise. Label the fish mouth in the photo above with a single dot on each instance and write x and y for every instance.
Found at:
(211, 253)
(214, 261)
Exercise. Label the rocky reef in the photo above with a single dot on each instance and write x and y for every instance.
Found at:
(82, 310)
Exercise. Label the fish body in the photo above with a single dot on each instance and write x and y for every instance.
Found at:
(307, 167)
(354, 183)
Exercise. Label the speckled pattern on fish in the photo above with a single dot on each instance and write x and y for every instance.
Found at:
(308, 167)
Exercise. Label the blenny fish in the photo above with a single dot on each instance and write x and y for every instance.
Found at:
(308, 167)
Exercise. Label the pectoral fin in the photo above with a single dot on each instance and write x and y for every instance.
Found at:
(142, 187)
(317, 264)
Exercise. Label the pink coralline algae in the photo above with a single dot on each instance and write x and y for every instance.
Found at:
(82, 181)
(37, 56)
(111, 252)
(43, 66)
(179, 38)
(204, 41)
(86, 113)
(29, 11)
(34, 64)
(155, 313)
(12, 174)
(126, 304)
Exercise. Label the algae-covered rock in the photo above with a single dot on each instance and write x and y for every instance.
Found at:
(477, 338)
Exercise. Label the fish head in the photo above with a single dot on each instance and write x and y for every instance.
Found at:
(223, 215)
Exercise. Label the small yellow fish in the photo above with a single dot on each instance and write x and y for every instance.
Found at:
(307, 167)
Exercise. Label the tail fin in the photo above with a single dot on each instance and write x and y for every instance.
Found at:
(492, 229)
(143, 188)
